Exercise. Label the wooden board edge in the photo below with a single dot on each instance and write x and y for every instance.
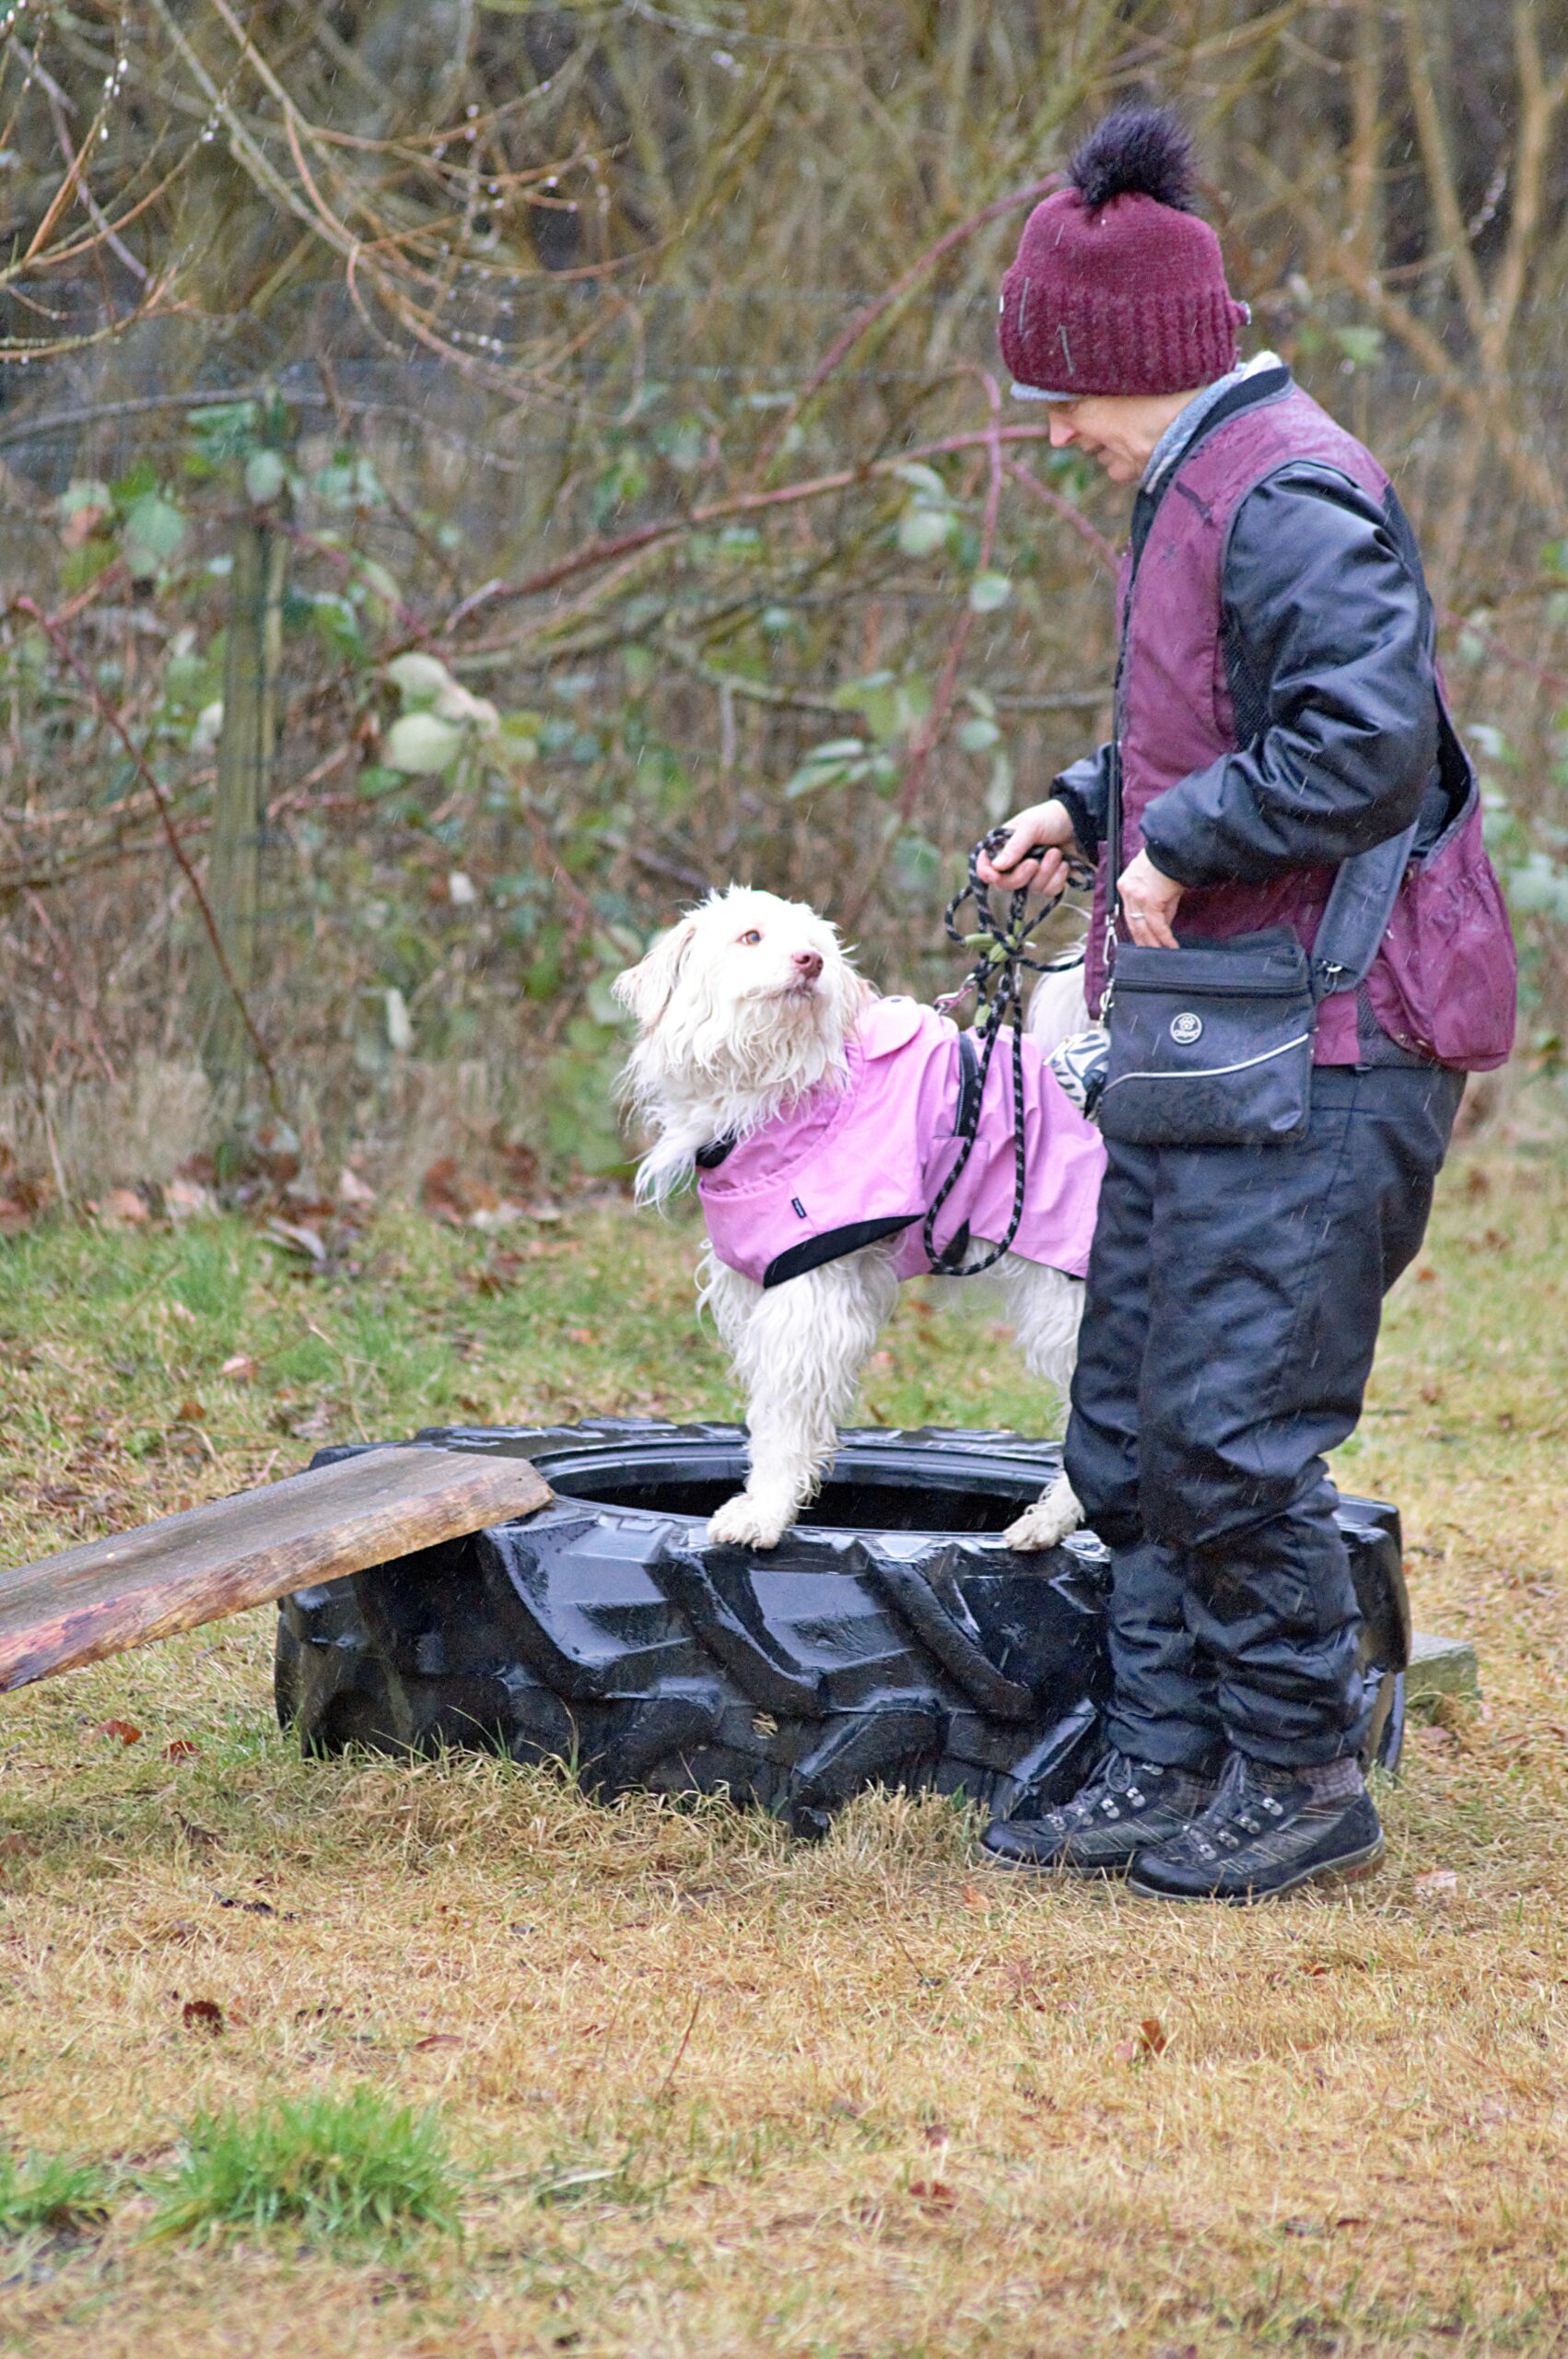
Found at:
(71, 1644)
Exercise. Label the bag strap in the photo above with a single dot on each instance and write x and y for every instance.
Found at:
(1360, 906)
(1360, 903)
(1365, 889)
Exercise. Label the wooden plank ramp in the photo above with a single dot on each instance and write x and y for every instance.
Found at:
(233, 1552)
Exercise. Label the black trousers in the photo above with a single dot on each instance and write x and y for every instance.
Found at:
(1234, 1301)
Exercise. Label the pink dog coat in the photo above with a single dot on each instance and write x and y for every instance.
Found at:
(844, 1166)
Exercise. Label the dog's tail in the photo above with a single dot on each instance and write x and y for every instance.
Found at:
(1056, 1008)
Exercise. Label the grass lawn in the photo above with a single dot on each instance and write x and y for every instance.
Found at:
(660, 2083)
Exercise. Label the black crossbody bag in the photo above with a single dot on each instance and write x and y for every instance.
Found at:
(1210, 1045)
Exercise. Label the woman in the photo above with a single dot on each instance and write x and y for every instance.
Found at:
(1278, 711)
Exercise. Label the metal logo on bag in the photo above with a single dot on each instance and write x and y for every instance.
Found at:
(1186, 1028)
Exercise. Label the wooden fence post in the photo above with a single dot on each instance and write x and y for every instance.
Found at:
(244, 777)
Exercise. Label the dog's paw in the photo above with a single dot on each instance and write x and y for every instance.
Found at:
(1046, 1523)
(742, 1522)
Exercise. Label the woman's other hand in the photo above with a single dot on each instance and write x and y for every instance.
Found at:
(1148, 903)
(1048, 825)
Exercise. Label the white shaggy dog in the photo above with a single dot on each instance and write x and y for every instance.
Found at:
(744, 1007)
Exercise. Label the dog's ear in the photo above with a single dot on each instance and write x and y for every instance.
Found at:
(646, 989)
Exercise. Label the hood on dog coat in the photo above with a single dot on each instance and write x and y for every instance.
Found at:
(847, 1165)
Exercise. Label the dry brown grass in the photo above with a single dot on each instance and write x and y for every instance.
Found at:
(860, 2099)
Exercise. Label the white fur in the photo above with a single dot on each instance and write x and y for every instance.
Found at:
(742, 1008)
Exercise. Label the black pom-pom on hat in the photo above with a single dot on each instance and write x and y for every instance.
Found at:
(1137, 151)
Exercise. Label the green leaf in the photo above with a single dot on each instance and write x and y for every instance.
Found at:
(265, 476)
(988, 592)
(86, 493)
(1362, 347)
(400, 1024)
(153, 531)
(334, 619)
(517, 736)
(418, 678)
(141, 479)
(978, 735)
(821, 770)
(682, 443)
(379, 581)
(923, 531)
(923, 480)
(423, 745)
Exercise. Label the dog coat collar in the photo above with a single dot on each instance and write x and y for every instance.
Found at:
(859, 1160)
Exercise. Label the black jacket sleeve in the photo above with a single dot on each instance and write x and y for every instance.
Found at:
(1085, 788)
(1328, 643)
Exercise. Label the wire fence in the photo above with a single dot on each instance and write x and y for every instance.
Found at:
(425, 819)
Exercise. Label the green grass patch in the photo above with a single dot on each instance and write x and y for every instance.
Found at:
(54, 2192)
(335, 2168)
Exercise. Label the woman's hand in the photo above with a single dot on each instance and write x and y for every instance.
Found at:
(1148, 903)
(1049, 825)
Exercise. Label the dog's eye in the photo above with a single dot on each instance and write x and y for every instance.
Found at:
(751, 936)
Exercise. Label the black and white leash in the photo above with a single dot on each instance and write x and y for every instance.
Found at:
(996, 980)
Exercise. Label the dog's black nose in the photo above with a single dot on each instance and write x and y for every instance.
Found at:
(808, 965)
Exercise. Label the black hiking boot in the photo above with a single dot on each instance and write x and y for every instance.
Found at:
(1267, 1832)
(1127, 1807)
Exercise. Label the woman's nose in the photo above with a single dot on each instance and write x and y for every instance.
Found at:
(808, 965)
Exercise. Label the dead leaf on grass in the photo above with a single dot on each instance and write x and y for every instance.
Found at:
(293, 1236)
(126, 1731)
(189, 1413)
(241, 1368)
(934, 2192)
(438, 2039)
(121, 1208)
(450, 1193)
(201, 2014)
(181, 1748)
(1151, 2039)
(253, 1907)
(1437, 1883)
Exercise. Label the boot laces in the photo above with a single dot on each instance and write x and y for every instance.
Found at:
(1114, 1786)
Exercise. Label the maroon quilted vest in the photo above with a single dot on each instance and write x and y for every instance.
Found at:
(1443, 983)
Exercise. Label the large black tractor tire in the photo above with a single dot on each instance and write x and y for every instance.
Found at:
(892, 1640)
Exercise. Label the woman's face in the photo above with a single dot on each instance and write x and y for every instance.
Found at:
(1119, 431)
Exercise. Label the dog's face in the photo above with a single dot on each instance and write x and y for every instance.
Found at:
(747, 987)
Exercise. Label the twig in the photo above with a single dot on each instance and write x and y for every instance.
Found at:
(663, 2089)
(947, 681)
(144, 771)
(845, 342)
(739, 503)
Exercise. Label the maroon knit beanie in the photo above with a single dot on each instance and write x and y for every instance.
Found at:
(1118, 286)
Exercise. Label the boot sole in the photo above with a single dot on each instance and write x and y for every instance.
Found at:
(1350, 1869)
(1056, 1868)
